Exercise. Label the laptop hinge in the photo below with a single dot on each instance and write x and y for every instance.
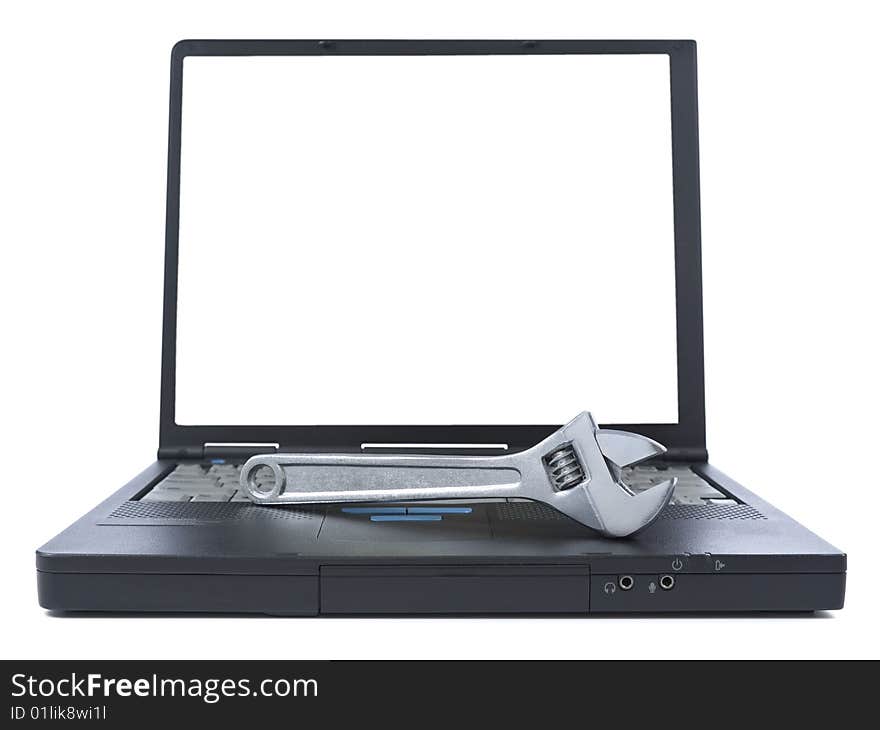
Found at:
(217, 451)
(236, 450)
(179, 452)
(696, 455)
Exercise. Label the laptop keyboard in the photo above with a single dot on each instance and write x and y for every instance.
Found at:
(219, 483)
(690, 488)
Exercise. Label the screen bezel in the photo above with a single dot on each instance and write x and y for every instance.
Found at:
(687, 434)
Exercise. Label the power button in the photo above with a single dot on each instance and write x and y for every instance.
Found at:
(677, 564)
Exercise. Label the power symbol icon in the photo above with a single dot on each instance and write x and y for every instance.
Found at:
(677, 564)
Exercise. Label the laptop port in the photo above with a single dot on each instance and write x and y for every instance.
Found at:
(667, 582)
(625, 582)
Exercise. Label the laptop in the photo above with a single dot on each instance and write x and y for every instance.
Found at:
(440, 247)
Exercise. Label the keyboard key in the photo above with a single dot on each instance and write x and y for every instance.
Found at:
(155, 496)
(185, 480)
(188, 469)
(704, 491)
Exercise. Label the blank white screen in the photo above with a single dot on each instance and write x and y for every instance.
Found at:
(426, 240)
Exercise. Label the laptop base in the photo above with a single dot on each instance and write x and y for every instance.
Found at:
(501, 557)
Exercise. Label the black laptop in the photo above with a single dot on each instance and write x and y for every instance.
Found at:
(458, 245)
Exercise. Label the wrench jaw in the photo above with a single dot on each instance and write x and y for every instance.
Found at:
(609, 508)
(623, 514)
(623, 448)
(576, 504)
(602, 501)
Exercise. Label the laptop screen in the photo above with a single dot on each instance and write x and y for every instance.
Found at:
(473, 239)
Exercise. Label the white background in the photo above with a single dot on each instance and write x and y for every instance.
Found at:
(789, 146)
(426, 239)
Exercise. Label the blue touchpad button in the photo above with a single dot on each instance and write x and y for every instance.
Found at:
(374, 510)
(405, 518)
(439, 510)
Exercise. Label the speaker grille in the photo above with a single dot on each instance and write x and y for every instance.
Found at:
(711, 512)
(544, 513)
(528, 511)
(206, 512)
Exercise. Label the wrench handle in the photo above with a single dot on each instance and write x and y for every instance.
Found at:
(323, 478)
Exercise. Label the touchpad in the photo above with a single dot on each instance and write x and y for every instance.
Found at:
(407, 522)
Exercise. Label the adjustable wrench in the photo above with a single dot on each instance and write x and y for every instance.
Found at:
(575, 470)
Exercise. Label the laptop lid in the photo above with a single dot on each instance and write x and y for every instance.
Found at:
(430, 242)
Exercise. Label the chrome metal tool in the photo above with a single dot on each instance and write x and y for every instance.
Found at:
(575, 470)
